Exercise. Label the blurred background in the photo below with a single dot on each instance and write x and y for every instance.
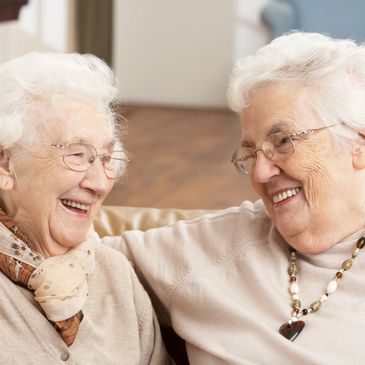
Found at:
(172, 60)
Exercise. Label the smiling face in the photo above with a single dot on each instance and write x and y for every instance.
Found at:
(53, 205)
(315, 195)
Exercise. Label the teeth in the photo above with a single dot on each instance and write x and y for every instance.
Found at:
(277, 198)
(76, 205)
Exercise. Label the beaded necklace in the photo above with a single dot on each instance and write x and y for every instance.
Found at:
(294, 326)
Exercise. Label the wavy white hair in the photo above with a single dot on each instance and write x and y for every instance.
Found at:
(333, 70)
(45, 76)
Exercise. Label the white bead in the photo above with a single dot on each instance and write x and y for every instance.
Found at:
(294, 288)
(324, 298)
(332, 286)
(294, 319)
(295, 296)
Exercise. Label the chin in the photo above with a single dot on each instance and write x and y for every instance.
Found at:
(71, 239)
(289, 231)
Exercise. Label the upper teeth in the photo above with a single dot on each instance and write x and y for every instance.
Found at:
(284, 195)
(75, 204)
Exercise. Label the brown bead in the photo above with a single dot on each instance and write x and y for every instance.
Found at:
(347, 264)
(360, 243)
(292, 279)
(315, 306)
(14, 245)
(338, 275)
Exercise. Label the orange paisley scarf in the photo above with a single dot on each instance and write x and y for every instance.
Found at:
(19, 261)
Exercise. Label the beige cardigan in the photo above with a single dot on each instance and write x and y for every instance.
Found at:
(223, 280)
(119, 325)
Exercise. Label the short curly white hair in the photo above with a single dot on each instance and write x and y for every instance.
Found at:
(333, 69)
(44, 75)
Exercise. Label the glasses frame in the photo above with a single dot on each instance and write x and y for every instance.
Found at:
(243, 171)
(102, 156)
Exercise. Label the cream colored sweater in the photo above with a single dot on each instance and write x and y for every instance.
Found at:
(119, 325)
(223, 279)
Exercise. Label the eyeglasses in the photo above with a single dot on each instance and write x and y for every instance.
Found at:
(275, 147)
(80, 156)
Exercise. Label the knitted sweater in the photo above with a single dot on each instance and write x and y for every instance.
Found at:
(222, 281)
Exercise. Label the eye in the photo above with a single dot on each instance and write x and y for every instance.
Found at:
(282, 143)
(245, 154)
(77, 154)
(282, 140)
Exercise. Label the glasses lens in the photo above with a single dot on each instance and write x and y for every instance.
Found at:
(77, 156)
(277, 144)
(243, 159)
(115, 164)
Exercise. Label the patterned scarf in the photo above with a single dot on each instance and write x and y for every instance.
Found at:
(59, 283)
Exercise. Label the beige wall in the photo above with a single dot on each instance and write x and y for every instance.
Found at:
(181, 52)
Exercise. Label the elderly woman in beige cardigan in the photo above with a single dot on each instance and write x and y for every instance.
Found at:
(256, 284)
(64, 297)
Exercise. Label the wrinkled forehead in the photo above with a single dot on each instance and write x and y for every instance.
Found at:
(63, 120)
(275, 108)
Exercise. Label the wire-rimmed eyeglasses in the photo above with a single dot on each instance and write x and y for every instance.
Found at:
(275, 147)
(80, 156)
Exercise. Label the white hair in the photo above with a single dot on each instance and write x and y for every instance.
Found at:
(45, 76)
(333, 70)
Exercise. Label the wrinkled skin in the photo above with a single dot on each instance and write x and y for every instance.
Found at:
(42, 181)
(330, 202)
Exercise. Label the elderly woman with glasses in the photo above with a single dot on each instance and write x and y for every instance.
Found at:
(64, 296)
(282, 280)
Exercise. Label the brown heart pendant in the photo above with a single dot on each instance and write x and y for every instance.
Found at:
(291, 330)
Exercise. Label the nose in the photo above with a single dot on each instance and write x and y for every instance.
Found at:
(96, 180)
(263, 169)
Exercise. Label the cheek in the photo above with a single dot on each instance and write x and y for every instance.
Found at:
(312, 172)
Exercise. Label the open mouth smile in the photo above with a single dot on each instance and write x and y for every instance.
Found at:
(75, 206)
(285, 194)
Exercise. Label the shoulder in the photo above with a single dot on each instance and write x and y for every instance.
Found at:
(209, 236)
(116, 275)
(108, 257)
(249, 219)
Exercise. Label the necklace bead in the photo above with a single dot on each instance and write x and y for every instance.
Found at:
(294, 288)
(315, 305)
(331, 287)
(360, 243)
(347, 264)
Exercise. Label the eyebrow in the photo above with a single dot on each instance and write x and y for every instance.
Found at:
(108, 145)
(279, 127)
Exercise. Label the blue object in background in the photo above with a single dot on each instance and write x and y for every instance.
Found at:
(337, 18)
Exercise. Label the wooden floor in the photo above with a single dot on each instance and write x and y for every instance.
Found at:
(181, 159)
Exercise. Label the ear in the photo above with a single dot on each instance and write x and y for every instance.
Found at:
(358, 152)
(6, 177)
